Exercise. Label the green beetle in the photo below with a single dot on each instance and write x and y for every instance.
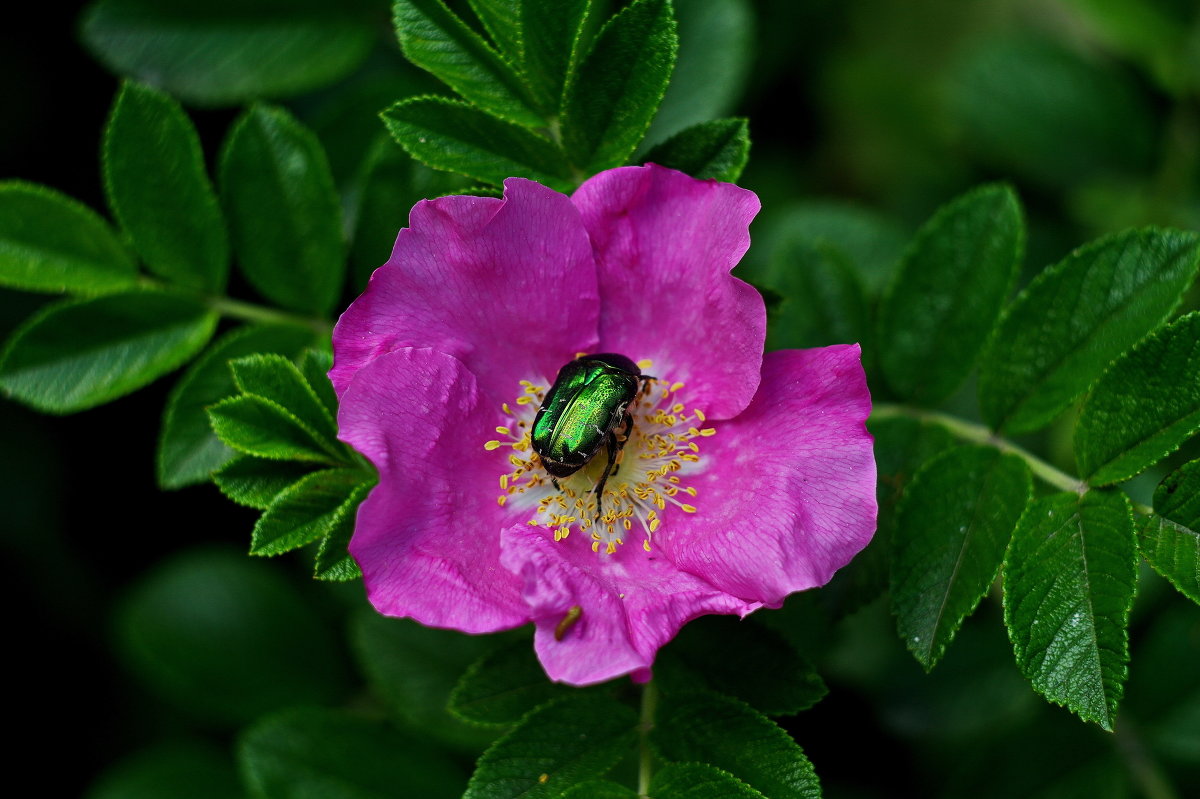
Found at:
(585, 410)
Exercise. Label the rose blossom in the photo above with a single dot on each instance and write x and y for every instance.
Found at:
(744, 477)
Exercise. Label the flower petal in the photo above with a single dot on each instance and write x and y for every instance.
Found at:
(631, 603)
(789, 497)
(428, 536)
(506, 286)
(664, 245)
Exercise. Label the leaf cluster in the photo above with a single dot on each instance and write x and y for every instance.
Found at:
(255, 409)
(707, 738)
(962, 505)
(546, 92)
(289, 463)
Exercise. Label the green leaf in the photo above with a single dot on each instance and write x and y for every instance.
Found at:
(902, 446)
(315, 366)
(390, 184)
(255, 482)
(188, 450)
(283, 212)
(955, 522)
(335, 753)
(333, 560)
(1069, 579)
(276, 378)
(619, 85)
(436, 40)
(1144, 407)
(219, 635)
(718, 149)
(414, 669)
(599, 789)
(78, 354)
(179, 770)
(49, 242)
(503, 685)
(728, 734)
(541, 39)
(453, 136)
(700, 781)
(823, 301)
(566, 742)
(1170, 539)
(1019, 99)
(743, 659)
(947, 295)
(385, 197)
(260, 427)
(870, 243)
(158, 189)
(308, 510)
(502, 20)
(716, 48)
(1075, 318)
(226, 52)
(550, 38)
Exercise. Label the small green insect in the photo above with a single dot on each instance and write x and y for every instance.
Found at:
(587, 409)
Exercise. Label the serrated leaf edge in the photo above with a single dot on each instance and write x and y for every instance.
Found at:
(1054, 270)
(1119, 682)
(1151, 338)
(932, 658)
(331, 456)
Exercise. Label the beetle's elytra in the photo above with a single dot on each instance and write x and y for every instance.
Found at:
(585, 410)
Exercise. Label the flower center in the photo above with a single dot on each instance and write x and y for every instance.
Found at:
(657, 451)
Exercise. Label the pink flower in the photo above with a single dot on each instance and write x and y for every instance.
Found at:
(745, 478)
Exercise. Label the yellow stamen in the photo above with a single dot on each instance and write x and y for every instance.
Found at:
(658, 456)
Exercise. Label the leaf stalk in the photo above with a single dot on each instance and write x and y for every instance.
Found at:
(646, 756)
(979, 434)
(249, 312)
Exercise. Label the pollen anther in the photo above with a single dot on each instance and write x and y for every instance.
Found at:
(659, 453)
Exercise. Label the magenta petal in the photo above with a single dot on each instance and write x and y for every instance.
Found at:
(428, 536)
(789, 497)
(632, 603)
(492, 282)
(665, 244)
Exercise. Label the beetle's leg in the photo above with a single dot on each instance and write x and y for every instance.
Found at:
(613, 447)
(554, 482)
(627, 432)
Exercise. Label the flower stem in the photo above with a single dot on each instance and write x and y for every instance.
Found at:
(978, 434)
(249, 312)
(646, 760)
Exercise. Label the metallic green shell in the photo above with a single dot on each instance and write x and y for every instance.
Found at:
(586, 402)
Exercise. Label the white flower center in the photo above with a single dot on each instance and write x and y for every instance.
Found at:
(661, 450)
